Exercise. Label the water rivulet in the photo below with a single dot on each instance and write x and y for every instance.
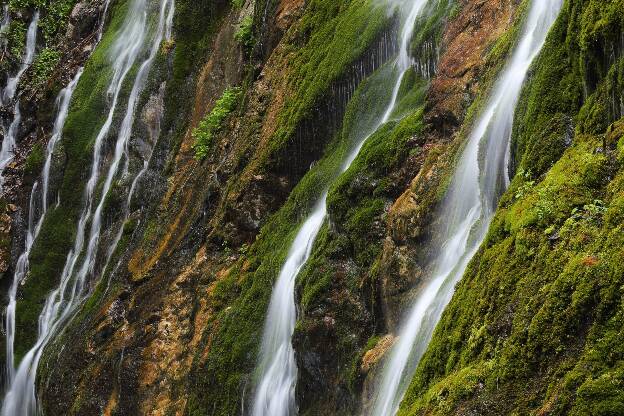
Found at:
(8, 95)
(275, 392)
(479, 180)
(133, 53)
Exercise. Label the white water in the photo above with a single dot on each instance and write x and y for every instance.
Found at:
(131, 43)
(275, 393)
(31, 42)
(39, 195)
(4, 25)
(8, 94)
(468, 210)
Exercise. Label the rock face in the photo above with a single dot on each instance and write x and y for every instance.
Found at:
(174, 319)
(462, 68)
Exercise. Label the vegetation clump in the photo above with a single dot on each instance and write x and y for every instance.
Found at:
(213, 122)
(44, 65)
(244, 35)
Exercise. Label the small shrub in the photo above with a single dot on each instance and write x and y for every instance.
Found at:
(16, 38)
(527, 186)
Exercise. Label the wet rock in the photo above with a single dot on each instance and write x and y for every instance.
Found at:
(83, 18)
(374, 356)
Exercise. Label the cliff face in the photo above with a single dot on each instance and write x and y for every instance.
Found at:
(244, 120)
(532, 328)
(66, 37)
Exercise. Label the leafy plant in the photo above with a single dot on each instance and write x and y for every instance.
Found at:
(213, 122)
(590, 212)
(526, 187)
(44, 64)
(16, 38)
(245, 35)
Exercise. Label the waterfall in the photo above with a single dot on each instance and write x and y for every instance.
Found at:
(133, 40)
(479, 180)
(34, 223)
(8, 94)
(4, 26)
(275, 392)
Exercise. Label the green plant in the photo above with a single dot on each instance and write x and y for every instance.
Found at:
(244, 35)
(16, 38)
(213, 122)
(35, 160)
(45, 64)
(526, 187)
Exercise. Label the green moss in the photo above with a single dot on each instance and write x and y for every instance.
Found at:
(54, 14)
(241, 298)
(527, 300)
(323, 44)
(35, 160)
(16, 38)
(195, 25)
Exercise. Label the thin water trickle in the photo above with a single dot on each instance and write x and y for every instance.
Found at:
(471, 202)
(8, 95)
(4, 26)
(275, 392)
(132, 41)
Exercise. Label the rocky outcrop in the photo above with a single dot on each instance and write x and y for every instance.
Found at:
(153, 336)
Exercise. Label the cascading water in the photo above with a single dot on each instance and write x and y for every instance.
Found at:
(275, 393)
(39, 195)
(131, 42)
(8, 94)
(38, 207)
(479, 180)
(4, 26)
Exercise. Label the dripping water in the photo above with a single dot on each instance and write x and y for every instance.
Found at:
(479, 180)
(38, 207)
(4, 26)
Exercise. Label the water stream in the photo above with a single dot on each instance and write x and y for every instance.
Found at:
(133, 41)
(4, 27)
(478, 182)
(37, 209)
(8, 95)
(275, 392)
